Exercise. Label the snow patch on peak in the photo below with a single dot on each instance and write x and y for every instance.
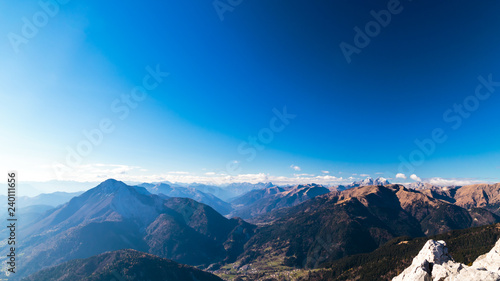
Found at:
(370, 181)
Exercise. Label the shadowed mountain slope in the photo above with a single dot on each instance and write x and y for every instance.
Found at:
(122, 265)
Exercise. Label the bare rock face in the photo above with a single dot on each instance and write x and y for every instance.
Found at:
(433, 263)
(433, 253)
(489, 261)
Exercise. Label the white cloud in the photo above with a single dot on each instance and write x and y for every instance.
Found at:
(401, 176)
(178, 172)
(305, 179)
(415, 178)
(99, 172)
(95, 172)
(448, 182)
(303, 175)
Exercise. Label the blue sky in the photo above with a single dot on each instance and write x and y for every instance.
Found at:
(227, 78)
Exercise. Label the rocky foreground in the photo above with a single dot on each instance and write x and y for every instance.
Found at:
(434, 262)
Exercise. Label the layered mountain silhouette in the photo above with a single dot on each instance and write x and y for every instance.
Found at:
(261, 201)
(29, 209)
(189, 192)
(357, 220)
(122, 265)
(224, 192)
(114, 216)
(52, 199)
(240, 188)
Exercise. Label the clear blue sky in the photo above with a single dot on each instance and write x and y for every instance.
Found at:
(226, 77)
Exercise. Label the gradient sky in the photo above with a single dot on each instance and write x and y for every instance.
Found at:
(227, 76)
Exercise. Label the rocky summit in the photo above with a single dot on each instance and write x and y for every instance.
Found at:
(434, 262)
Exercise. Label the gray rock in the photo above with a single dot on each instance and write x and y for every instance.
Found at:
(433, 263)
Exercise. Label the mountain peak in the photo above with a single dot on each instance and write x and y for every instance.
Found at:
(371, 181)
(368, 181)
(112, 186)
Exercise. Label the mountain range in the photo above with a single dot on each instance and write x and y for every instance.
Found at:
(225, 192)
(49, 199)
(358, 220)
(29, 209)
(366, 182)
(485, 196)
(299, 228)
(189, 192)
(114, 216)
(261, 201)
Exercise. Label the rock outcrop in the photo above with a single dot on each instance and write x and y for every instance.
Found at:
(434, 263)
